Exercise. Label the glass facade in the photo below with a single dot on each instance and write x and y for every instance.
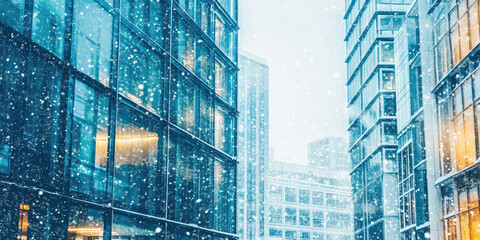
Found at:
(370, 30)
(456, 91)
(116, 122)
(253, 145)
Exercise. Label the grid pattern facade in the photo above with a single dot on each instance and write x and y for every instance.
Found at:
(118, 119)
(411, 155)
(370, 30)
(304, 202)
(456, 37)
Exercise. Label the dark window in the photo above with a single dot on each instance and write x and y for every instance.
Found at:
(135, 228)
(12, 13)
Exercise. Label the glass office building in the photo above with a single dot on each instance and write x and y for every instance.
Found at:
(456, 88)
(118, 119)
(414, 111)
(370, 30)
(253, 151)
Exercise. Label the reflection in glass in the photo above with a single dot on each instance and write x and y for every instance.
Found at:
(224, 193)
(131, 228)
(147, 15)
(92, 40)
(12, 13)
(85, 224)
(49, 25)
(136, 151)
(183, 103)
(140, 75)
(89, 141)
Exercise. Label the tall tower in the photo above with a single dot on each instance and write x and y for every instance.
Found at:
(370, 30)
(253, 147)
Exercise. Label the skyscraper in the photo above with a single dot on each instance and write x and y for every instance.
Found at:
(118, 119)
(253, 147)
(370, 29)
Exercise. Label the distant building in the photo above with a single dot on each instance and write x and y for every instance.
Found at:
(304, 202)
(253, 147)
(330, 153)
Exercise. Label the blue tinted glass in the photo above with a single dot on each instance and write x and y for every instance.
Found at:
(92, 40)
(49, 25)
(12, 13)
(89, 141)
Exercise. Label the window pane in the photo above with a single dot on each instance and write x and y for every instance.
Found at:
(317, 219)
(275, 193)
(140, 76)
(387, 53)
(469, 137)
(132, 228)
(89, 141)
(224, 196)
(317, 198)
(12, 13)
(206, 117)
(474, 25)
(183, 180)
(290, 194)
(220, 77)
(304, 217)
(85, 223)
(183, 102)
(458, 126)
(304, 196)
(183, 43)
(455, 45)
(147, 15)
(11, 78)
(290, 216)
(464, 39)
(136, 152)
(92, 40)
(40, 150)
(464, 227)
(49, 25)
(276, 214)
(474, 224)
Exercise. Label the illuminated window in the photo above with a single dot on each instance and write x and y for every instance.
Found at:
(85, 223)
(136, 153)
(23, 221)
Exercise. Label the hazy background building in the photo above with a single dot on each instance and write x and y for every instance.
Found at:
(118, 119)
(253, 145)
(330, 153)
(305, 202)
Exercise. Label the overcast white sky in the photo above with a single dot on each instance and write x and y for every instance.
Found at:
(302, 41)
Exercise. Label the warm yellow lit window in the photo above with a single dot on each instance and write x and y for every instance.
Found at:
(455, 44)
(474, 224)
(23, 221)
(470, 152)
(474, 26)
(464, 227)
(464, 38)
(459, 142)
